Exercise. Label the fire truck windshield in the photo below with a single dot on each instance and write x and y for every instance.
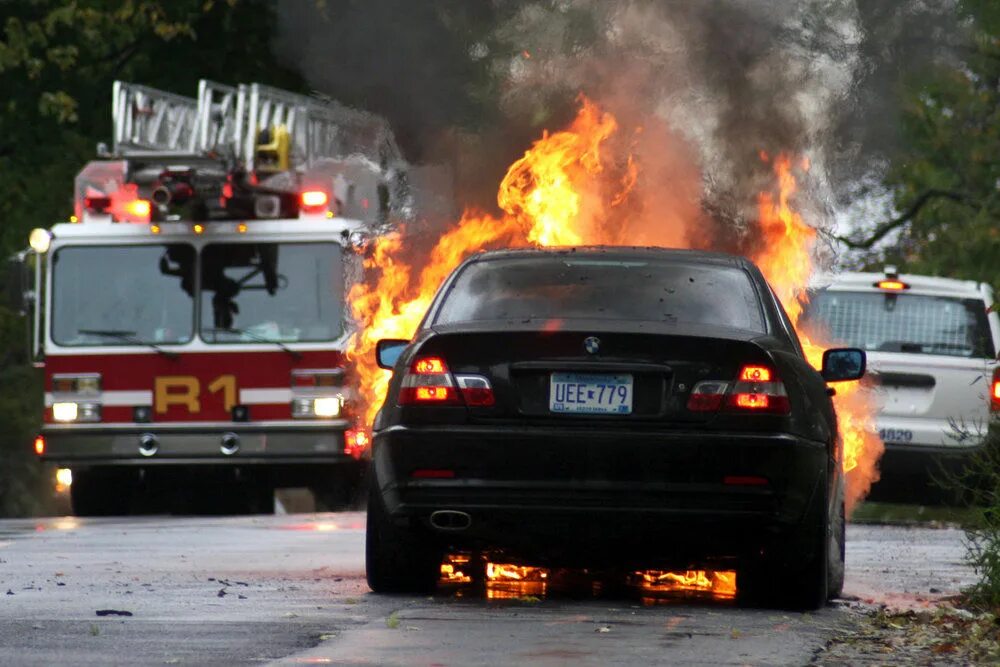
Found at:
(144, 291)
(271, 292)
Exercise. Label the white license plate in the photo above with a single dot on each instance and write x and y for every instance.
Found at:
(586, 393)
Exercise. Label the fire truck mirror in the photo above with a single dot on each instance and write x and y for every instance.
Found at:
(18, 290)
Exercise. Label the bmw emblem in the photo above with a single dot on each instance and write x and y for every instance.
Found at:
(592, 345)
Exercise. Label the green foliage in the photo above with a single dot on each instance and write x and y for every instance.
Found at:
(58, 60)
(979, 483)
(951, 132)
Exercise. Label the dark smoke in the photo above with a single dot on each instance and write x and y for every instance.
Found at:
(471, 84)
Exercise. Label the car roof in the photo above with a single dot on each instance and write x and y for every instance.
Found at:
(623, 252)
(918, 284)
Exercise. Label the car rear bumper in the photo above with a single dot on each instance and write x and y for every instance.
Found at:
(557, 491)
(256, 444)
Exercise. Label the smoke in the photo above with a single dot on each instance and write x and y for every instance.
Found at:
(705, 94)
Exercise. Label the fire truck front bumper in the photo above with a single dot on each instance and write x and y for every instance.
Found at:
(292, 442)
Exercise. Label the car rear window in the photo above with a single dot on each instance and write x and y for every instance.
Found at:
(619, 289)
(905, 322)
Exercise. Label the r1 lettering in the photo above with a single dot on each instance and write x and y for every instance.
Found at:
(185, 390)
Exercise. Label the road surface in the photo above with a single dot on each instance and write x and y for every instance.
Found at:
(290, 589)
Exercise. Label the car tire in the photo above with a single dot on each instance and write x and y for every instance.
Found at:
(837, 546)
(98, 493)
(784, 578)
(397, 559)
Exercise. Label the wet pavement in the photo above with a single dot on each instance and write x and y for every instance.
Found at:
(163, 590)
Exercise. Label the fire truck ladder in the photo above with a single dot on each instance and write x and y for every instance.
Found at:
(231, 122)
(146, 119)
(316, 128)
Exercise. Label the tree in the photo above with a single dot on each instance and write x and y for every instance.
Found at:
(58, 60)
(946, 178)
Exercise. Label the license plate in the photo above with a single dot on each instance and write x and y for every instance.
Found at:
(589, 394)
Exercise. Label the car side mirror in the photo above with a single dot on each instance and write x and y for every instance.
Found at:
(388, 350)
(843, 364)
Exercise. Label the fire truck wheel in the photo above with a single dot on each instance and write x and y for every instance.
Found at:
(397, 560)
(97, 493)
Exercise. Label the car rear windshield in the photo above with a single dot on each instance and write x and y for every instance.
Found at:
(905, 322)
(597, 288)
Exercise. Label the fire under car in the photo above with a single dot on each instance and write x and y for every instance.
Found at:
(611, 408)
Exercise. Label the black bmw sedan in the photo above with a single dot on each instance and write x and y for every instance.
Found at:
(614, 408)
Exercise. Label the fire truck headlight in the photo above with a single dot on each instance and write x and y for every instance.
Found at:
(326, 407)
(76, 412)
(65, 412)
(40, 239)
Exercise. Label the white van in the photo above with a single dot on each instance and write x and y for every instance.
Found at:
(932, 348)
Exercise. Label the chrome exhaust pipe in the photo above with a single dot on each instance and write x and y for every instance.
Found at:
(450, 520)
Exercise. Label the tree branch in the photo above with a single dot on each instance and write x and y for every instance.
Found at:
(886, 227)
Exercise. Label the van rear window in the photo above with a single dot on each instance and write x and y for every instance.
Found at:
(905, 322)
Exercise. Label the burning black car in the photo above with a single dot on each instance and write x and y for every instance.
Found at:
(611, 407)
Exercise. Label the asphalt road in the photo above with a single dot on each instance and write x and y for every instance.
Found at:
(291, 589)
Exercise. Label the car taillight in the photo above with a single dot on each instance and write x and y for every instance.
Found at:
(707, 396)
(429, 382)
(995, 391)
(476, 390)
(758, 391)
(755, 390)
(40, 445)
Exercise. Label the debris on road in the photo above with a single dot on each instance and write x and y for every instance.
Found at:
(113, 612)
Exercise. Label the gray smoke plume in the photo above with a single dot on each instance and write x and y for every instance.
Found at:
(711, 84)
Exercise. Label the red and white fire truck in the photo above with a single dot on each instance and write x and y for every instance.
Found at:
(191, 316)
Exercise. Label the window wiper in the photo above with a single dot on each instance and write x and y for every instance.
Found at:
(257, 337)
(128, 337)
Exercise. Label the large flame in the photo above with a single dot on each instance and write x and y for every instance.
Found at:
(785, 258)
(565, 191)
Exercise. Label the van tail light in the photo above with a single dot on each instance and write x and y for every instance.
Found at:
(429, 382)
(758, 390)
(995, 391)
(755, 390)
(40, 445)
(476, 390)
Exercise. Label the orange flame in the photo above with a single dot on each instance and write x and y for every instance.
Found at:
(564, 191)
(717, 583)
(785, 259)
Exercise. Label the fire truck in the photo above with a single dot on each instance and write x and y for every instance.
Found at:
(191, 316)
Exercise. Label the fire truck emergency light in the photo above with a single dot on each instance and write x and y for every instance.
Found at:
(314, 200)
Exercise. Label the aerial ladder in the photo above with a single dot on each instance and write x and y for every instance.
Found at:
(240, 152)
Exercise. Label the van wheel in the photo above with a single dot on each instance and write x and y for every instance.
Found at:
(397, 559)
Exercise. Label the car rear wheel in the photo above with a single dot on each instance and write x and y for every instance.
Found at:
(397, 559)
(837, 546)
(796, 574)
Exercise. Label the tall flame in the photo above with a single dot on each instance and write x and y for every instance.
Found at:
(562, 192)
(785, 258)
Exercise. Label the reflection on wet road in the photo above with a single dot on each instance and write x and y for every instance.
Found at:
(291, 588)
